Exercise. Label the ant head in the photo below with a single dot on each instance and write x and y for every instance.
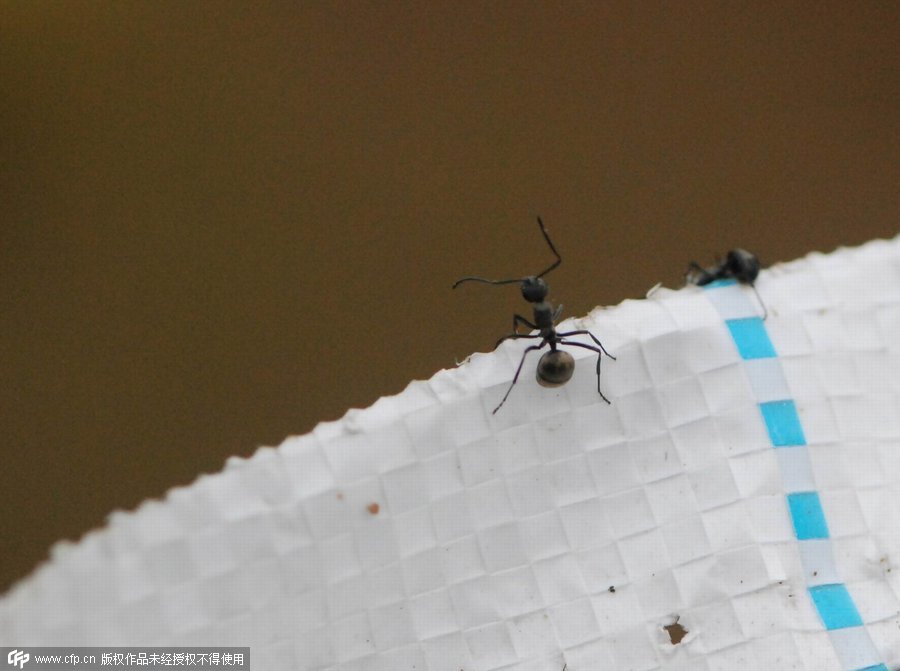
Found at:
(743, 265)
(534, 289)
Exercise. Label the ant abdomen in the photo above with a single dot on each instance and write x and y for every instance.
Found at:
(555, 368)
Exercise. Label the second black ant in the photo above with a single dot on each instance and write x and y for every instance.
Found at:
(739, 265)
(555, 366)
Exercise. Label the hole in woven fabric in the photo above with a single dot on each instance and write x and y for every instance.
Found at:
(675, 631)
(373, 508)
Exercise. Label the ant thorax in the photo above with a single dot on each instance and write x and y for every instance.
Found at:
(543, 315)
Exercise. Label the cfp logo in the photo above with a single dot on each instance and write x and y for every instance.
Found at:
(18, 658)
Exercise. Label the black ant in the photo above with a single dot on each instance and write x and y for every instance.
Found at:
(555, 367)
(739, 265)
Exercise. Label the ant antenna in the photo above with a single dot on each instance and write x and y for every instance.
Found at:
(521, 279)
(552, 249)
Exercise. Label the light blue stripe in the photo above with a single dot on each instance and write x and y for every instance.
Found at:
(808, 516)
(783, 423)
(715, 284)
(750, 336)
(835, 606)
(833, 602)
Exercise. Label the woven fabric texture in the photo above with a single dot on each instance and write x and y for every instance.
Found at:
(743, 486)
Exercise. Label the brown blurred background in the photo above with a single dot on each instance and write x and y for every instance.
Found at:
(223, 222)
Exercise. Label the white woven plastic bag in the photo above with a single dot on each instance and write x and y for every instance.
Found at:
(744, 482)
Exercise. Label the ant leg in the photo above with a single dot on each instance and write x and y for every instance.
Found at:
(518, 370)
(600, 352)
(519, 319)
(697, 274)
(515, 336)
(593, 337)
(759, 298)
